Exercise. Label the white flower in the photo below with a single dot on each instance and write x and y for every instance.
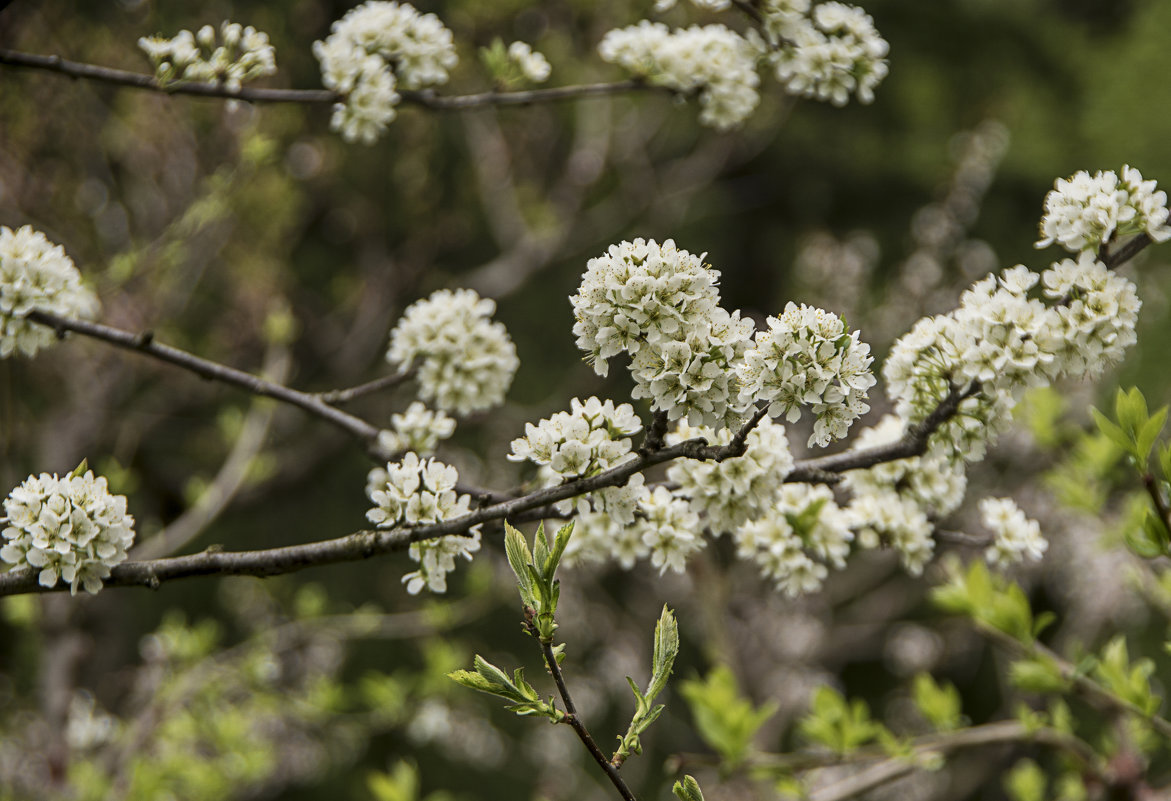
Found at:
(1083, 212)
(465, 361)
(71, 529)
(591, 437)
(661, 305)
(669, 529)
(373, 49)
(733, 491)
(808, 358)
(713, 61)
(242, 55)
(416, 492)
(418, 429)
(829, 55)
(36, 274)
(1016, 537)
(885, 519)
(533, 65)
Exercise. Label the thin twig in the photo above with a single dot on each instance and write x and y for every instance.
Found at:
(336, 397)
(427, 98)
(655, 433)
(145, 344)
(574, 719)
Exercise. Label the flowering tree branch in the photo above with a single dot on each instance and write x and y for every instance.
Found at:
(426, 98)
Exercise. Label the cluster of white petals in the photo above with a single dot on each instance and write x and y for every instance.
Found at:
(707, 5)
(1016, 537)
(799, 537)
(807, 357)
(1084, 211)
(532, 64)
(418, 429)
(589, 438)
(70, 529)
(933, 481)
(465, 361)
(890, 520)
(417, 492)
(660, 305)
(668, 528)
(370, 52)
(713, 61)
(237, 55)
(731, 492)
(828, 52)
(36, 274)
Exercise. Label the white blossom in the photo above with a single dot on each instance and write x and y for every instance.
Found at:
(1083, 212)
(807, 357)
(417, 492)
(36, 274)
(591, 437)
(239, 54)
(731, 492)
(713, 61)
(418, 429)
(668, 528)
(829, 53)
(1016, 537)
(532, 64)
(370, 52)
(465, 361)
(660, 304)
(70, 529)
(886, 519)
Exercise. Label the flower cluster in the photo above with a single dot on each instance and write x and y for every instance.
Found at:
(419, 429)
(1016, 537)
(417, 492)
(660, 304)
(668, 529)
(465, 361)
(370, 52)
(713, 61)
(236, 56)
(798, 536)
(1084, 212)
(889, 520)
(807, 357)
(589, 438)
(70, 529)
(532, 65)
(734, 491)
(36, 274)
(829, 53)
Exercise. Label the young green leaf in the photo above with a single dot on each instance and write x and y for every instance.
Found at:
(687, 789)
(939, 704)
(724, 718)
(519, 559)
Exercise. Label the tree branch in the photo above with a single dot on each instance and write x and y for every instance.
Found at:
(426, 99)
(339, 396)
(144, 343)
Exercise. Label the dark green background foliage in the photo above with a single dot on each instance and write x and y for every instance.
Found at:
(220, 227)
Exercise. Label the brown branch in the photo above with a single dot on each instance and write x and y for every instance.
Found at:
(827, 469)
(574, 719)
(145, 344)
(426, 99)
(1125, 253)
(339, 396)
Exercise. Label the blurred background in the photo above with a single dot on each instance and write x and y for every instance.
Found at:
(254, 236)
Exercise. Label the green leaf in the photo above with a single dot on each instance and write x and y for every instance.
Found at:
(665, 650)
(1148, 433)
(519, 559)
(1038, 674)
(939, 704)
(1026, 782)
(541, 553)
(1131, 682)
(80, 469)
(725, 719)
(1111, 431)
(840, 725)
(560, 541)
(687, 789)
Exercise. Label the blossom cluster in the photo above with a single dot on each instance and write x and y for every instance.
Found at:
(417, 492)
(418, 429)
(797, 539)
(373, 50)
(236, 55)
(660, 305)
(465, 361)
(828, 52)
(712, 61)
(589, 438)
(1015, 536)
(36, 274)
(532, 64)
(731, 492)
(1084, 212)
(808, 357)
(69, 529)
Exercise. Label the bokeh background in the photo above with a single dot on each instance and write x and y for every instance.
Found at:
(255, 236)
